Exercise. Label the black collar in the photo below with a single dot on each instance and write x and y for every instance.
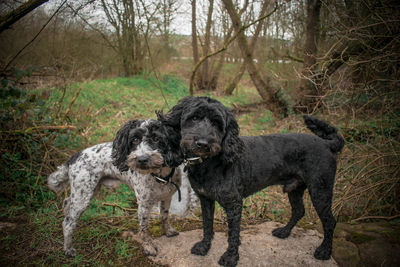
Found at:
(192, 161)
(166, 180)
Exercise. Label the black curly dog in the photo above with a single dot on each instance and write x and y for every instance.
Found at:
(226, 168)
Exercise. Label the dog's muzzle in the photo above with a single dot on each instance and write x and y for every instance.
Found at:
(201, 147)
(146, 162)
(142, 162)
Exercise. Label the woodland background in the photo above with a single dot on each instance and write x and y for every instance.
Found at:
(72, 72)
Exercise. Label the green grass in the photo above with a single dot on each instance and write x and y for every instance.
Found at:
(102, 106)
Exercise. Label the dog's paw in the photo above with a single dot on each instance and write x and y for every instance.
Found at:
(281, 232)
(322, 253)
(71, 252)
(171, 232)
(229, 259)
(149, 249)
(201, 248)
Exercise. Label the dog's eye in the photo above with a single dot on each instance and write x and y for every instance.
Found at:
(155, 139)
(195, 118)
(135, 140)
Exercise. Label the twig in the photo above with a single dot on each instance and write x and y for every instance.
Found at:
(376, 217)
(72, 102)
(287, 55)
(42, 128)
(38, 175)
(118, 206)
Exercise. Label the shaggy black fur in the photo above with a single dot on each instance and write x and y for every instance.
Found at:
(162, 137)
(234, 167)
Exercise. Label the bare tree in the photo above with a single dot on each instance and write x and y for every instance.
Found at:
(132, 21)
(163, 22)
(267, 91)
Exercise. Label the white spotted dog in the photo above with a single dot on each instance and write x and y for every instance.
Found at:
(143, 153)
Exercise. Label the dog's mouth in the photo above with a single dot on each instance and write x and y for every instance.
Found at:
(201, 152)
(146, 170)
(200, 149)
(145, 164)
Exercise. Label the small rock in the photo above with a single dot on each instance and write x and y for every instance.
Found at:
(345, 253)
(259, 248)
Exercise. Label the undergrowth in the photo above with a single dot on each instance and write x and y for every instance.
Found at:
(42, 128)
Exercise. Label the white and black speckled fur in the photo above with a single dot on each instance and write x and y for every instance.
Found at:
(113, 163)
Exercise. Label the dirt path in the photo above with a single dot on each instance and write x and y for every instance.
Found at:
(258, 248)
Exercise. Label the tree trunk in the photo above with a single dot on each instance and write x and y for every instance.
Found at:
(18, 13)
(233, 84)
(264, 87)
(308, 86)
(194, 39)
(194, 34)
(204, 81)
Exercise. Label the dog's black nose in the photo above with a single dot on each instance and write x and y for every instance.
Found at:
(202, 144)
(142, 159)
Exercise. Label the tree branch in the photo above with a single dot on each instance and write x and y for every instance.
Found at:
(18, 13)
(287, 55)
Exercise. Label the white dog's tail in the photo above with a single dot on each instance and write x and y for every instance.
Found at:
(58, 180)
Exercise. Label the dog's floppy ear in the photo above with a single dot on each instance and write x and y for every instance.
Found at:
(232, 145)
(173, 117)
(120, 148)
(174, 155)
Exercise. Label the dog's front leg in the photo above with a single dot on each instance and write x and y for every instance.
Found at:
(207, 209)
(234, 213)
(147, 242)
(168, 230)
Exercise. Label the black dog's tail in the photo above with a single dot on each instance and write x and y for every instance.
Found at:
(325, 131)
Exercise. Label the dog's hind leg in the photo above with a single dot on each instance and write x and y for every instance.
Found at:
(66, 203)
(80, 197)
(207, 212)
(321, 196)
(168, 230)
(296, 202)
